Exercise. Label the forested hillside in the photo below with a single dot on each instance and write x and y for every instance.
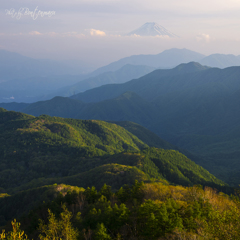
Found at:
(89, 179)
(141, 211)
(44, 150)
(191, 106)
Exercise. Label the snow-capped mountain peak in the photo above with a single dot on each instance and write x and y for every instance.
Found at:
(152, 29)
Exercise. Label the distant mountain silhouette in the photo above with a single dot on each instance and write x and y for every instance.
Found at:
(221, 60)
(166, 59)
(16, 66)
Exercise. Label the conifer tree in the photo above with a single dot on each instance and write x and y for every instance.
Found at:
(15, 234)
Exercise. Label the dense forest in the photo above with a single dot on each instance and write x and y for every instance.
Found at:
(89, 179)
(37, 151)
(141, 211)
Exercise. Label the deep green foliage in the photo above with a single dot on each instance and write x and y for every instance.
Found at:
(47, 150)
(50, 150)
(145, 135)
(147, 211)
(21, 203)
(48, 147)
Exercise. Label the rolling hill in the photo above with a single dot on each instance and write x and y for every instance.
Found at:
(197, 111)
(191, 106)
(37, 151)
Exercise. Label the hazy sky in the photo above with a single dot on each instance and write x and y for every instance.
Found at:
(92, 30)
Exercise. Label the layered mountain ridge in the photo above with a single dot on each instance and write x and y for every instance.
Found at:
(32, 83)
(191, 106)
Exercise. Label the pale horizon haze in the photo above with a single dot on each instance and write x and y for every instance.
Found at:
(92, 31)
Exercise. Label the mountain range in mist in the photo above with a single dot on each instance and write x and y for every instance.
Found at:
(24, 79)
